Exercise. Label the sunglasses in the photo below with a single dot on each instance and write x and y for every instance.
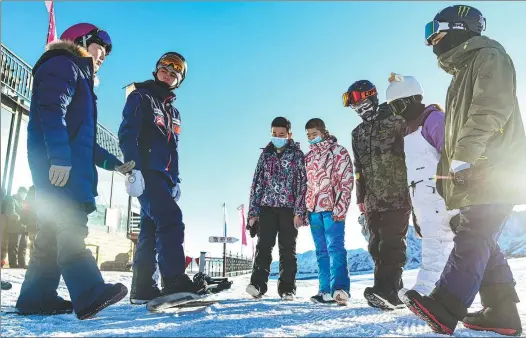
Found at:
(354, 98)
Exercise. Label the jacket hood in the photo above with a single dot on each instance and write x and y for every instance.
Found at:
(327, 142)
(61, 47)
(155, 89)
(452, 60)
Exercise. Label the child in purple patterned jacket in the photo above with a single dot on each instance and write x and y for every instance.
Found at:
(277, 208)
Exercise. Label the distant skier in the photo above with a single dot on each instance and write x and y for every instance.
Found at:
(484, 155)
(149, 135)
(329, 186)
(277, 208)
(423, 144)
(381, 190)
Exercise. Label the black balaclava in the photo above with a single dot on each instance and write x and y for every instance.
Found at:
(452, 39)
(161, 83)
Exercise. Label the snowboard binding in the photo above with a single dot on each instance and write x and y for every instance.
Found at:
(210, 284)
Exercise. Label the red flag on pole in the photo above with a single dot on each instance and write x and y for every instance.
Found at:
(52, 28)
(243, 225)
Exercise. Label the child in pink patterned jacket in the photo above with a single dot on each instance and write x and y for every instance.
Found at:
(329, 186)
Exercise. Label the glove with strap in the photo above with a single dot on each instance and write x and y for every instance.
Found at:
(176, 192)
(135, 183)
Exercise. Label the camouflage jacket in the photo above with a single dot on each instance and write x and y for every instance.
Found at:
(379, 162)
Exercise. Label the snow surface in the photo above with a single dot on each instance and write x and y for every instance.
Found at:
(238, 315)
(512, 243)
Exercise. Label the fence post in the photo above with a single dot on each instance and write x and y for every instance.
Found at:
(202, 262)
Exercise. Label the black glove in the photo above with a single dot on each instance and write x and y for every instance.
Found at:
(253, 229)
(454, 223)
(462, 178)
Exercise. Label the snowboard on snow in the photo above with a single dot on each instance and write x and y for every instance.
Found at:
(186, 300)
(181, 300)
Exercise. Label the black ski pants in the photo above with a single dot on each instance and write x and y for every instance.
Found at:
(276, 222)
(387, 246)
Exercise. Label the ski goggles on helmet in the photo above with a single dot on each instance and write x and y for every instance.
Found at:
(435, 27)
(400, 105)
(354, 98)
(100, 37)
(173, 62)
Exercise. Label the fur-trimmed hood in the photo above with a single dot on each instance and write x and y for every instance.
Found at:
(68, 46)
(64, 47)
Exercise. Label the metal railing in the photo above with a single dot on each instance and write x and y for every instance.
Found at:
(235, 265)
(16, 74)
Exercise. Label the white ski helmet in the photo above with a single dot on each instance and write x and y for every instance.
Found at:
(402, 86)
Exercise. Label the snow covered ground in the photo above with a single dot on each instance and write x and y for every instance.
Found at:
(237, 315)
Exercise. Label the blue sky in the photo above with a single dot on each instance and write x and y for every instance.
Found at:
(250, 62)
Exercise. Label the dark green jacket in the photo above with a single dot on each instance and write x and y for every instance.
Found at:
(483, 126)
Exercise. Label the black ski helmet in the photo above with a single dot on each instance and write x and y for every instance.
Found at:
(366, 88)
(470, 17)
(174, 61)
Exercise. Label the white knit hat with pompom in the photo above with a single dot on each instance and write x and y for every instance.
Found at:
(402, 86)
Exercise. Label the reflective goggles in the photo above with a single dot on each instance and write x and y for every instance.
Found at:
(173, 62)
(354, 98)
(400, 105)
(100, 37)
(434, 27)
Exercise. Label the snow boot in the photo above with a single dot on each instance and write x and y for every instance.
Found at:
(287, 296)
(144, 296)
(323, 298)
(183, 283)
(113, 294)
(500, 313)
(341, 297)
(382, 300)
(59, 307)
(253, 290)
(6, 286)
(143, 287)
(440, 310)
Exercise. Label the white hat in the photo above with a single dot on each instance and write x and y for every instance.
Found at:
(402, 86)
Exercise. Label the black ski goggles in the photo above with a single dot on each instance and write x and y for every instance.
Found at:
(434, 28)
(398, 106)
(100, 37)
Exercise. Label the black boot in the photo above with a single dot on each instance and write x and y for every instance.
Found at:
(143, 289)
(382, 300)
(59, 306)
(441, 310)
(6, 285)
(113, 294)
(183, 283)
(500, 313)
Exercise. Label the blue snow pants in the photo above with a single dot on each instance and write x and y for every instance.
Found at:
(60, 250)
(329, 240)
(162, 233)
(476, 259)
